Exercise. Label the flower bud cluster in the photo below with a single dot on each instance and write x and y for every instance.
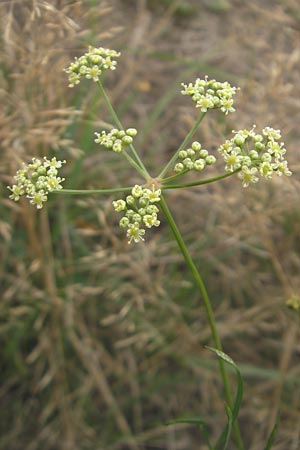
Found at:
(116, 140)
(211, 94)
(194, 158)
(36, 180)
(91, 65)
(255, 154)
(139, 211)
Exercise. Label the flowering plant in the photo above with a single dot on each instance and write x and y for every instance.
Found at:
(248, 154)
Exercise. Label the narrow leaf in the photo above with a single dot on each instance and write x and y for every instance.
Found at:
(200, 423)
(272, 437)
(232, 414)
(204, 432)
(223, 356)
(228, 428)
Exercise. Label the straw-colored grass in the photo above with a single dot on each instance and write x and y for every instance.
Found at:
(101, 342)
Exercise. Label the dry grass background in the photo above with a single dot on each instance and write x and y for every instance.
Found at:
(101, 343)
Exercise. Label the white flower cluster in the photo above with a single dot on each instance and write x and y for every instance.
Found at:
(194, 158)
(211, 94)
(36, 180)
(140, 211)
(116, 140)
(91, 65)
(255, 154)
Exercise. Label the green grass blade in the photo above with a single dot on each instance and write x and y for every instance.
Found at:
(232, 414)
(272, 437)
(228, 428)
(202, 425)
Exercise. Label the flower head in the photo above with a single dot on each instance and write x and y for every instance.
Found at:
(255, 154)
(36, 180)
(139, 210)
(91, 65)
(211, 94)
(194, 158)
(116, 140)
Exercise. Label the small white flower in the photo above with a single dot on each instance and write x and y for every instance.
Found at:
(233, 162)
(137, 191)
(38, 199)
(199, 164)
(153, 195)
(17, 192)
(266, 170)
(132, 132)
(150, 220)
(124, 222)
(196, 146)
(281, 168)
(135, 233)
(271, 133)
(119, 205)
(179, 167)
(248, 175)
(210, 159)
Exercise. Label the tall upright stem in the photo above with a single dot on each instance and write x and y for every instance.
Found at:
(209, 311)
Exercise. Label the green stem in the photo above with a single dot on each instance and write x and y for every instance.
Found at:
(199, 182)
(209, 311)
(142, 169)
(91, 191)
(128, 188)
(135, 165)
(183, 145)
(174, 177)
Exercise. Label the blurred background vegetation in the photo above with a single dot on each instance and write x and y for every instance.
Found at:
(102, 342)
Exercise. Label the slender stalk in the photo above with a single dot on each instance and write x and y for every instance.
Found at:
(135, 165)
(142, 169)
(183, 145)
(174, 177)
(209, 311)
(129, 188)
(199, 182)
(91, 191)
